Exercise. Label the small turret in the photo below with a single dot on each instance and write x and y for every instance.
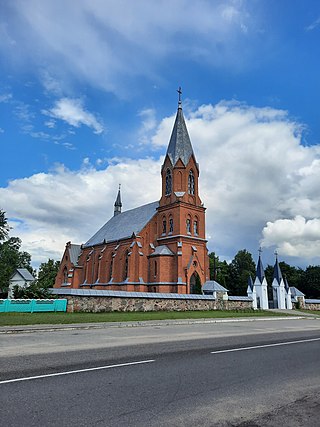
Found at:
(117, 203)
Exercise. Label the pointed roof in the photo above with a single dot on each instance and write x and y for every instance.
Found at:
(162, 250)
(24, 273)
(180, 145)
(213, 286)
(286, 284)
(260, 271)
(250, 282)
(277, 272)
(118, 203)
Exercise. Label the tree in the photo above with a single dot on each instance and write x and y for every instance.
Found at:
(47, 273)
(294, 275)
(310, 283)
(239, 270)
(4, 227)
(12, 258)
(40, 287)
(219, 270)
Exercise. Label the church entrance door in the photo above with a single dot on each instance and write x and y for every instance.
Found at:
(195, 284)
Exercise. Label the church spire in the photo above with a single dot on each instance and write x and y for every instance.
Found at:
(180, 145)
(117, 203)
(277, 271)
(260, 271)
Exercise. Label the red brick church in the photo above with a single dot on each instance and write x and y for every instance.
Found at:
(158, 247)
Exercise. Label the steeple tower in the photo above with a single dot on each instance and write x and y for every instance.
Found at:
(261, 286)
(180, 170)
(180, 145)
(181, 214)
(117, 203)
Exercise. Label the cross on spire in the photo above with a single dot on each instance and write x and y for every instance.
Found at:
(260, 251)
(180, 93)
(276, 254)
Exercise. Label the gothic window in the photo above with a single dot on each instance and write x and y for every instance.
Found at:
(65, 275)
(191, 183)
(170, 225)
(155, 269)
(168, 182)
(188, 226)
(195, 227)
(111, 267)
(126, 265)
(164, 226)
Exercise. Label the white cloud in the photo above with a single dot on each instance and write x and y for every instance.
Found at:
(253, 171)
(104, 46)
(297, 237)
(72, 111)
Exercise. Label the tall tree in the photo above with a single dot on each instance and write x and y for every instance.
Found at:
(4, 227)
(239, 270)
(11, 258)
(47, 273)
(219, 270)
(310, 283)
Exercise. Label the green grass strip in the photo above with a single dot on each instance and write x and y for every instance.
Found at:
(16, 319)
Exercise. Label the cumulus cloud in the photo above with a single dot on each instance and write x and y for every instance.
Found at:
(297, 237)
(105, 46)
(257, 181)
(73, 112)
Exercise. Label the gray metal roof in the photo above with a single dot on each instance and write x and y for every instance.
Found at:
(122, 226)
(180, 145)
(213, 286)
(74, 252)
(312, 301)
(125, 294)
(277, 272)
(25, 274)
(260, 270)
(162, 250)
(239, 298)
(295, 292)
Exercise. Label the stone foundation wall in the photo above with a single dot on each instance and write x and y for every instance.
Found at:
(108, 304)
(312, 306)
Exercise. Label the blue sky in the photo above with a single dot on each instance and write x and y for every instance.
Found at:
(88, 98)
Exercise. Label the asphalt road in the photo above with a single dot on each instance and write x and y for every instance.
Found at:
(185, 378)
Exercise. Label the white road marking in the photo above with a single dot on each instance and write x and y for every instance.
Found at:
(57, 374)
(265, 345)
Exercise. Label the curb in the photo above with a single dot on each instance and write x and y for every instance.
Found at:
(137, 324)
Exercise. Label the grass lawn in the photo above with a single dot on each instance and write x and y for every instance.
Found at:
(10, 319)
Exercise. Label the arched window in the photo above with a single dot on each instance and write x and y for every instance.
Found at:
(155, 269)
(191, 183)
(164, 226)
(168, 182)
(65, 275)
(196, 227)
(171, 225)
(126, 265)
(111, 266)
(188, 226)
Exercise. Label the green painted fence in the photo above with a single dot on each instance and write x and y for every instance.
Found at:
(32, 305)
